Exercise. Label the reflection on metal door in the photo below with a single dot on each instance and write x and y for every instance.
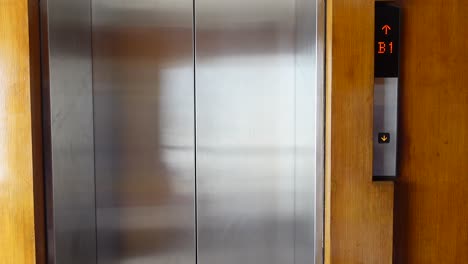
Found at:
(247, 134)
(201, 137)
(144, 127)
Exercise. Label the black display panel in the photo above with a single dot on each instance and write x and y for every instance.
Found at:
(387, 40)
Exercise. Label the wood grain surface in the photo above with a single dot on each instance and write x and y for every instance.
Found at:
(431, 196)
(359, 214)
(17, 164)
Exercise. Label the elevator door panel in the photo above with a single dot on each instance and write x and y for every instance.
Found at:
(144, 131)
(245, 94)
(206, 118)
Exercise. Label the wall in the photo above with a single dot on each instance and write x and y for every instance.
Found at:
(21, 219)
(359, 213)
(431, 208)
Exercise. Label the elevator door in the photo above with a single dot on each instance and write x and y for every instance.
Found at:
(144, 131)
(255, 195)
(203, 131)
(245, 131)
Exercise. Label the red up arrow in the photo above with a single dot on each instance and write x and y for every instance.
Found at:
(386, 28)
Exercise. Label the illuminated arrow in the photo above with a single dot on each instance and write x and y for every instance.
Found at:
(384, 138)
(386, 28)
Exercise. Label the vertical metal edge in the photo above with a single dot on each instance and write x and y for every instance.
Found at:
(46, 134)
(91, 33)
(320, 174)
(314, 41)
(47, 52)
(194, 53)
(294, 184)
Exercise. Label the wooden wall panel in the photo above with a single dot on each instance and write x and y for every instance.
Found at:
(359, 214)
(431, 207)
(19, 103)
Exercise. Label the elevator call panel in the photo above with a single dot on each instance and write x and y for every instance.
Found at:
(386, 72)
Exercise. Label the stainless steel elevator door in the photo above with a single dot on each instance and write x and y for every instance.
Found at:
(245, 125)
(201, 139)
(144, 131)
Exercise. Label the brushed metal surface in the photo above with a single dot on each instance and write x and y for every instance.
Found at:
(250, 156)
(385, 120)
(144, 131)
(68, 135)
(259, 131)
(309, 154)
